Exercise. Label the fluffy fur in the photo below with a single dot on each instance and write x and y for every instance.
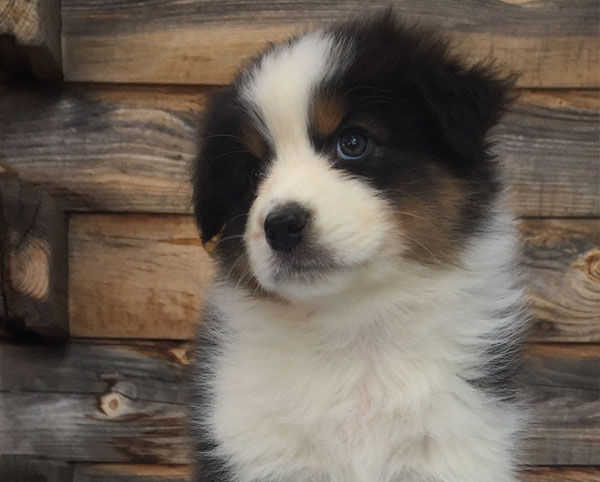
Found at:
(382, 347)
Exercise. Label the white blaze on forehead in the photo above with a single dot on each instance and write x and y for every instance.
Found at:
(280, 87)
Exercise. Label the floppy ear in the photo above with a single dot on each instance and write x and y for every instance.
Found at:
(210, 217)
(465, 104)
(214, 187)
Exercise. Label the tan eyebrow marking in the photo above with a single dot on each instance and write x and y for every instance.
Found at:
(253, 141)
(328, 112)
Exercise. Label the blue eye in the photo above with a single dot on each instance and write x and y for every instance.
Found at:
(352, 145)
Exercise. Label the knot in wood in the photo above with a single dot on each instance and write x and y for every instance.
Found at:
(182, 354)
(591, 265)
(111, 404)
(28, 268)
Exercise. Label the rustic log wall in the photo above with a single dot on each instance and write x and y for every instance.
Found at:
(111, 146)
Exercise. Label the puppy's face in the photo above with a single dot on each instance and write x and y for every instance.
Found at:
(338, 157)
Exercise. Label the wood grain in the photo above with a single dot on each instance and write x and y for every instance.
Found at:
(122, 403)
(15, 468)
(549, 145)
(33, 259)
(162, 473)
(138, 276)
(552, 43)
(562, 266)
(131, 473)
(144, 276)
(562, 474)
(564, 390)
(116, 149)
(128, 149)
(30, 40)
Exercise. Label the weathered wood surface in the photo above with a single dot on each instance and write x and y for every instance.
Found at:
(563, 381)
(550, 145)
(116, 149)
(131, 473)
(161, 473)
(30, 40)
(562, 474)
(14, 468)
(562, 266)
(33, 259)
(552, 43)
(137, 276)
(128, 149)
(94, 402)
(105, 402)
(144, 276)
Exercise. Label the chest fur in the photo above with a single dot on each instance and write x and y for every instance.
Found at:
(361, 412)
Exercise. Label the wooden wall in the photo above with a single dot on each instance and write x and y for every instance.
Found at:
(111, 145)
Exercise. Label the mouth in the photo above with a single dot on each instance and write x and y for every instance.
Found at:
(300, 265)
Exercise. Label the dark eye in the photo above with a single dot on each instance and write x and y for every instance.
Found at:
(256, 174)
(352, 145)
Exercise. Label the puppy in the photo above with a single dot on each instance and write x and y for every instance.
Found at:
(366, 313)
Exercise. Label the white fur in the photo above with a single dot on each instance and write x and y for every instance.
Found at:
(280, 86)
(349, 221)
(360, 377)
(370, 386)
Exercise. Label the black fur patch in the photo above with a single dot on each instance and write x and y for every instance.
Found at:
(208, 467)
(425, 112)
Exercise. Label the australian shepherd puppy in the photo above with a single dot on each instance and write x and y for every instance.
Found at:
(366, 310)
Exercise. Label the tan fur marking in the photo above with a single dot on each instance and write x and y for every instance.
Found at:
(254, 142)
(431, 225)
(328, 113)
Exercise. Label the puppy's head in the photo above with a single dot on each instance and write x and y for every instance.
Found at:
(344, 155)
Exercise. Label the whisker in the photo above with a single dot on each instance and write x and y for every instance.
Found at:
(422, 246)
(368, 87)
(235, 264)
(412, 216)
(219, 135)
(226, 238)
(228, 154)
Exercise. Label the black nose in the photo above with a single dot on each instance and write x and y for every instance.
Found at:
(284, 226)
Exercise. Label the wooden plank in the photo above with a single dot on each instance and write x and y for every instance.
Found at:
(552, 43)
(30, 40)
(166, 473)
(128, 149)
(562, 267)
(131, 473)
(565, 397)
(144, 276)
(562, 474)
(538, 140)
(116, 149)
(137, 276)
(15, 468)
(33, 259)
(122, 403)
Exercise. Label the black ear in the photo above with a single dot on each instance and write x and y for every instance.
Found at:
(465, 103)
(210, 217)
(214, 177)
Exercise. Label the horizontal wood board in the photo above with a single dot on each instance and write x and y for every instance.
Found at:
(157, 473)
(131, 473)
(552, 43)
(116, 402)
(15, 468)
(145, 276)
(135, 276)
(129, 149)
